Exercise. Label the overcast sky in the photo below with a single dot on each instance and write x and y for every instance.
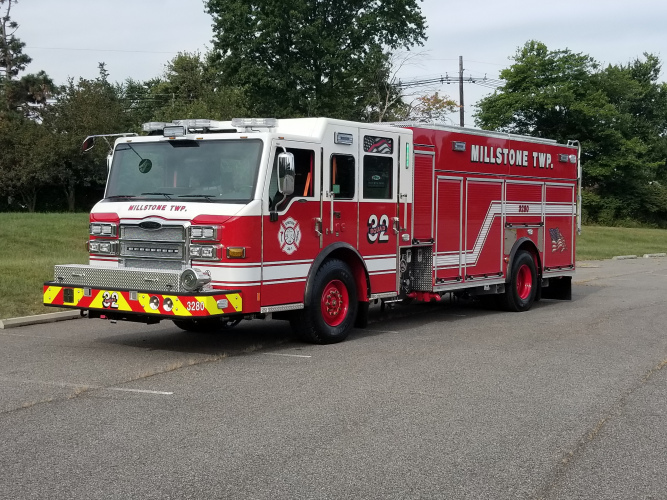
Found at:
(135, 38)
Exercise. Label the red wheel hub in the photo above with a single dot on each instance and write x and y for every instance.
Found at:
(335, 303)
(524, 282)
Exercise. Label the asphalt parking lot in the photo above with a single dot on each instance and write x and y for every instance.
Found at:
(449, 400)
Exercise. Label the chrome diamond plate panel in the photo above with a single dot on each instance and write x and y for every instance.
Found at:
(161, 265)
(422, 265)
(115, 278)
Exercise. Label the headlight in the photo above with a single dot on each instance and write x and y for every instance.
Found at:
(194, 279)
(205, 252)
(208, 233)
(106, 229)
(103, 247)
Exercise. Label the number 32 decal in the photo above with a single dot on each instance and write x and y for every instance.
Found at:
(110, 300)
(377, 229)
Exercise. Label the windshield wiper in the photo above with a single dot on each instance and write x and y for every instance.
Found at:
(120, 196)
(166, 195)
(207, 196)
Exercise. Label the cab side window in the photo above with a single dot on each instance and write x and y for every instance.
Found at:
(304, 163)
(342, 177)
(378, 177)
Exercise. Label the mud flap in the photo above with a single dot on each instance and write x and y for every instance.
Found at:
(362, 315)
(558, 288)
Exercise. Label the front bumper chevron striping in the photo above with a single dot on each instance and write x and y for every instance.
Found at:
(154, 304)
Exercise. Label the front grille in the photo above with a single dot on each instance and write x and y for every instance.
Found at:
(152, 250)
(164, 246)
(165, 233)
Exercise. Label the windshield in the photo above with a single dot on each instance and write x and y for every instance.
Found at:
(213, 171)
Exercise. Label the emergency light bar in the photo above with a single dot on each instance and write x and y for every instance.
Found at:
(153, 126)
(254, 122)
(173, 131)
(178, 128)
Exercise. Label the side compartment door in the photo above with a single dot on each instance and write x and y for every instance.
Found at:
(423, 197)
(484, 229)
(449, 259)
(560, 225)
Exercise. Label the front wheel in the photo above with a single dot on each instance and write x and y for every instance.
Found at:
(330, 313)
(521, 288)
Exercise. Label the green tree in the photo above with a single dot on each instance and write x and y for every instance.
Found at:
(191, 88)
(28, 94)
(310, 57)
(139, 99)
(24, 143)
(86, 108)
(432, 108)
(547, 93)
(27, 154)
(618, 113)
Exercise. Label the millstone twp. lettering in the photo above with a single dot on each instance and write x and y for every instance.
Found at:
(505, 156)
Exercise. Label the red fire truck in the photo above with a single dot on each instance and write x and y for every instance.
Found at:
(209, 222)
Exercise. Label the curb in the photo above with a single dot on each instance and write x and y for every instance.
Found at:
(38, 319)
(653, 255)
(624, 257)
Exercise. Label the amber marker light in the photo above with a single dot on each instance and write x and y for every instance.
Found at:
(236, 252)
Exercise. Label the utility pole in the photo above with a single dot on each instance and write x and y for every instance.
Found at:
(462, 114)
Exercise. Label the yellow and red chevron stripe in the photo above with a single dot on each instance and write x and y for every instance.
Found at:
(199, 305)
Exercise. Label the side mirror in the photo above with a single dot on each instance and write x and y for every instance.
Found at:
(286, 173)
(88, 144)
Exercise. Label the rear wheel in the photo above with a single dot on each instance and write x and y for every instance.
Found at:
(331, 311)
(207, 325)
(522, 286)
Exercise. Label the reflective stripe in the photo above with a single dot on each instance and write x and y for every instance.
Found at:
(147, 303)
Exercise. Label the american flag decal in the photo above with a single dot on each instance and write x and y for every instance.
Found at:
(557, 240)
(382, 145)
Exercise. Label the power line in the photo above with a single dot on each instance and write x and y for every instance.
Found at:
(491, 83)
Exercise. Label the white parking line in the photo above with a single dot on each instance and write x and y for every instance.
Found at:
(143, 391)
(288, 355)
(83, 386)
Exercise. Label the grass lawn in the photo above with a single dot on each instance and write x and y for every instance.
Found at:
(596, 243)
(30, 245)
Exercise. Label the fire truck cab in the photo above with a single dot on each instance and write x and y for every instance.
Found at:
(208, 222)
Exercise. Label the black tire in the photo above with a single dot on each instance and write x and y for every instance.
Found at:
(207, 325)
(521, 287)
(330, 314)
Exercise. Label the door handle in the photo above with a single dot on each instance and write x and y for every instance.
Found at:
(318, 226)
(397, 224)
